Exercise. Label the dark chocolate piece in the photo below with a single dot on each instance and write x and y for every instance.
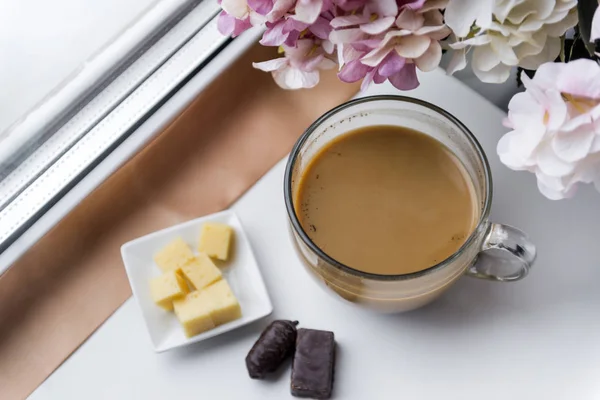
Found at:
(314, 364)
(273, 346)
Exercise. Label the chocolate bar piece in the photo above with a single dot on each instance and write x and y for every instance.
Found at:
(274, 345)
(314, 362)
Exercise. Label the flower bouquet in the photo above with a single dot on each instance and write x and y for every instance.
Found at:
(555, 122)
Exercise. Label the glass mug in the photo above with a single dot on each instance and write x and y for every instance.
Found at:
(492, 251)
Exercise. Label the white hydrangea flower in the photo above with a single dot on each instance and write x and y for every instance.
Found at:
(556, 127)
(507, 33)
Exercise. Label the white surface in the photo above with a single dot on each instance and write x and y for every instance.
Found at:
(534, 339)
(240, 271)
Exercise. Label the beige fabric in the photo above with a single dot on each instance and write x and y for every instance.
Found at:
(61, 290)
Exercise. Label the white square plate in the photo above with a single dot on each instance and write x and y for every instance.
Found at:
(241, 271)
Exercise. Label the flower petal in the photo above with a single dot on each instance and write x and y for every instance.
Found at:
(536, 9)
(555, 110)
(412, 4)
(549, 53)
(408, 19)
(328, 47)
(235, 8)
(225, 23)
(350, 5)
(300, 50)
(559, 28)
(230, 26)
(293, 78)
(498, 74)
(377, 78)
(549, 191)
(502, 10)
(347, 54)
(348, 20)
(406, 78)
(391, 65)
(460, 15)
(412, 46)
(307, 11)
(378, 26)
(484, 58)
(434, 5)
(384, 8)
(365, 45)
(551, 165)
(430, 60)
(505, 149)
(479, 40)
(580, 78)
(256, 19)
(321, 28)
(311, 64)
(353, 71)
(504, 52)
(573, 146)
(293, 25)
(274, 35)
(458, 61)
(367, 80)
(292, 38)
(280, 8)
(346, 35)
(241, 25)
(271, 65)
(263, 7)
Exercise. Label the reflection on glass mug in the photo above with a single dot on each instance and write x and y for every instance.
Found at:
(388, 199)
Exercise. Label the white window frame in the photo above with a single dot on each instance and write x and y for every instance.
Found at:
(114, 122)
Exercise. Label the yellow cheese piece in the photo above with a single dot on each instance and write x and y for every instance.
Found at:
(215, 239)
(174, 255)
(224, 306)
(201, 271)
(166, 288)
(193, 312)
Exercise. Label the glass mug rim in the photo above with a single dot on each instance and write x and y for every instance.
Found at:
(289, 201)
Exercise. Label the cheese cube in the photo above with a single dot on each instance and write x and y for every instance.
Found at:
(166, 288)
(174, 255)
(201, 271)
(193, 311)
(224, 306)
(215, 239)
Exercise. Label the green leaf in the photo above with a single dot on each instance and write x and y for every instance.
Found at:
(585, 11)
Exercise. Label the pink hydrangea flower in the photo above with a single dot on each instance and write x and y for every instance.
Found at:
(241, 10)
(556, 128)
(231, 26)
(288, 30)
(300, 66)
(393, 67)
(412, 43)
(285, 31)
(376, 17)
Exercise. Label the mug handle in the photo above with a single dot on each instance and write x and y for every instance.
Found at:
(512, 250)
